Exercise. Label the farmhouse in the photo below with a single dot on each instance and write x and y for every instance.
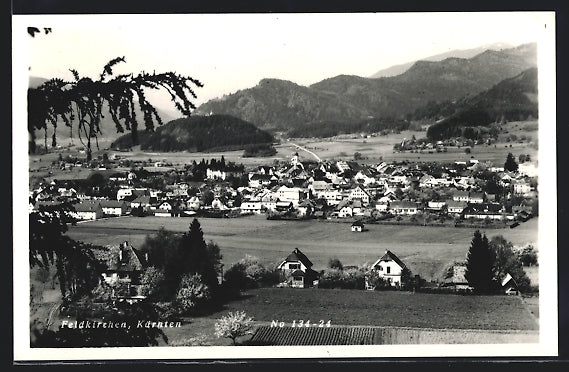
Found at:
(88, 210)
(358, 193)
(435, 205)
(492, 211)
(122, 265)
(252, 206)
(455, 207)
(389, 267)
(113, 207)
(404, 207)
(297, 270)
(522, 187)
(291, 194)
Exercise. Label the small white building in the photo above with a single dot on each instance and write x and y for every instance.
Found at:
(390, 268)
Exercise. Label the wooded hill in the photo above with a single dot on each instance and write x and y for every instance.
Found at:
(352, 99)
(513, 99)
(199, 133)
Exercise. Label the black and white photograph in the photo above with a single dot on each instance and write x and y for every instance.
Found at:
(284, 185)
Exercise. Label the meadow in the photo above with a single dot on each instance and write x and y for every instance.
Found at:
(426, 250)
(397, 317)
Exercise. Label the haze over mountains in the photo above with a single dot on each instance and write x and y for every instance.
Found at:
(458, 53)
(279, 104)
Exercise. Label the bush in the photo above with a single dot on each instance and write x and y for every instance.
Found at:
(152, 282)
(345, 279)
(373, 280)
(528, 256)
(192, 294)
(335, 263)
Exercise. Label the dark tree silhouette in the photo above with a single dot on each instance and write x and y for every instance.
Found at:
(196, 258)
(82, 102)
(479, 264)
(510, 164)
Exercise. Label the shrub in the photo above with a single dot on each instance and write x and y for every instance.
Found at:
(152, 281)
(192, 294)
(373, 280)
(335, 263)
(345, 279)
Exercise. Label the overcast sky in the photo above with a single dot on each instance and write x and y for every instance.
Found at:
(228, 52)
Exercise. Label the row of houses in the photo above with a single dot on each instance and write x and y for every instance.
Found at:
(125, 264)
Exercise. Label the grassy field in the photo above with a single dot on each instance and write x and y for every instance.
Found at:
(385, 308)
(403, 317)
(425, 250)
(373, 149)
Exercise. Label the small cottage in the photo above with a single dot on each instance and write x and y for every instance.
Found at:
(297, 270)
(390, 268)
(357, 226)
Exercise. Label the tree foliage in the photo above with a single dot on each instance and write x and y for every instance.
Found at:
(480, 264)
(507, 262)
(511, 164)
(76, 267)
(233, 325)
(84, 101)
(192, 294)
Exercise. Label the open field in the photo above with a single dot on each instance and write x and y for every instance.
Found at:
(399, 309)
(397, 317)
(373, 149)
(425, 250)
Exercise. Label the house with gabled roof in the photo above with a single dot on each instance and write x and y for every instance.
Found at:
(390, 268)
(113, 207)
(122, 264)
(88, 210)
(297, 269)
(403, 207)
(358, 193)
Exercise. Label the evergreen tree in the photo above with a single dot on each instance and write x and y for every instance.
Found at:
(510, 164)
(195, 257)
(479, 264)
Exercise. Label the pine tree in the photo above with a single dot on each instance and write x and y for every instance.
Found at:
(510, 164)
(195, 257)
(479, 264)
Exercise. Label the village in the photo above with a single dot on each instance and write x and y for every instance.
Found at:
(459, 193)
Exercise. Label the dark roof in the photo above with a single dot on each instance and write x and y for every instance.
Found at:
(266, 335)
(390, 256)
(111, 258)
(87, 206)
(357, 223)
(297, 255)
(112, 204)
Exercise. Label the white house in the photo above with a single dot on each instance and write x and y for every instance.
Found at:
(522, 187)
(113, 207)
(252, 206)
(88, 210)
(390, 268)
(404, 207)
(358, 193)
(291, 194)
(297, 269)
(436, 205)
(213, 174)
(455, 207)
